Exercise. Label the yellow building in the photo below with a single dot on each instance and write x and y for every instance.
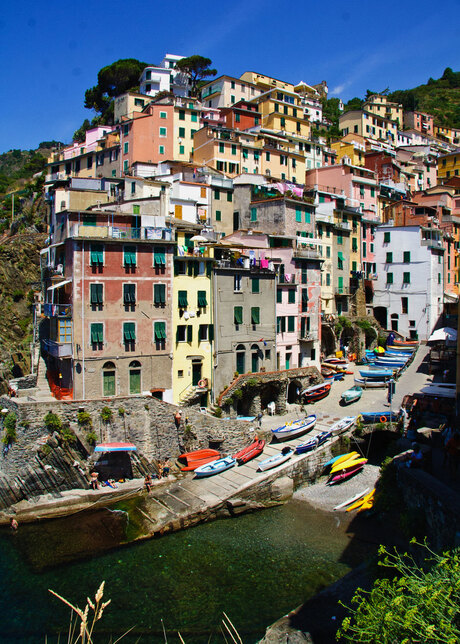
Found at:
(380, 105)
(192, 320)
(282, 111)
(449, 165)
(186, 122)
(266, 82)
(351, 146)
(450, 134)
(368, 125)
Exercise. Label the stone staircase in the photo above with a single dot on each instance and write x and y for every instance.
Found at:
(41, 392)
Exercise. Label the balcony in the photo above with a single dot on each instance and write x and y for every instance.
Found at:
(342, 225)
(342, 291)
(56, 176)
(118, 232)
(57, 310)
(310, 336)
(293, 279)
(306, 253)
(259, 265)
(58, 349)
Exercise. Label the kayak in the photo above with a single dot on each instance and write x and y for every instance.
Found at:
(364, 499)
(250, 451)
(359, 496)
(340, 458)
(338, 478)
(346, 465)
(197, 455)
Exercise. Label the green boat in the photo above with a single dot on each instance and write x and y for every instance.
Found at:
(351, 395)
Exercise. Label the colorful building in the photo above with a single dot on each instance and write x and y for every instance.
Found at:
(368, 125)
(380, 105)
(419, 121)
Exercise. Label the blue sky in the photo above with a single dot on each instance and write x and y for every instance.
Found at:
(51, 52)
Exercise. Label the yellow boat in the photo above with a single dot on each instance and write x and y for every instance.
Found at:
(344, 458)
(366, 499)
(346, 465)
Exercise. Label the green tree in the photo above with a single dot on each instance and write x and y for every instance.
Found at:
(421, 603)
(197, 68)
(355, 103)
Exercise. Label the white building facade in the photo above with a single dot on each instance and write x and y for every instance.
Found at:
(408, 291)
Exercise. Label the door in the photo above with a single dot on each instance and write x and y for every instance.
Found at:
(196, 373)
(236, 221)
(134, 381)
(288, 360)
(108, 379)
(240, 366)
(255, 361)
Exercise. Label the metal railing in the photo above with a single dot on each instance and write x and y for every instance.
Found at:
(57, 310)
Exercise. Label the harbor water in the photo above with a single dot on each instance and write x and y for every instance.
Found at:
(255, 568)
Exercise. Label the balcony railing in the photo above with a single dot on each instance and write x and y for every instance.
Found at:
(342, 290)
(245, 263)
(310, 336)
(58, 349)
(118, 232)
(306, 253)
(57, 310)
(292, 279)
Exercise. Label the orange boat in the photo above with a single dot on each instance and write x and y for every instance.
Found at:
(250, 451)
(199, 457)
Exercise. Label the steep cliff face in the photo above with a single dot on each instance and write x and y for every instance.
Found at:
(19, 278)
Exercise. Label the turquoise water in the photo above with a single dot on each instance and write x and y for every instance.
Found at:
(255, 567)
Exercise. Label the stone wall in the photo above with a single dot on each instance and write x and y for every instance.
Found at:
(38, 463)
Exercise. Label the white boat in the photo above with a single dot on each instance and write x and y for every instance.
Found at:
(350, 501)
(342, 425)
(371, 382)
(276, 460)
(295, 428)
(215, 467)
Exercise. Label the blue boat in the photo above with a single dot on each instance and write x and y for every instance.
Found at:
(295, 428)
(395, 364)
(379, 416)
(376, 372)
(398, 354)
(313, 443)
(215, 467)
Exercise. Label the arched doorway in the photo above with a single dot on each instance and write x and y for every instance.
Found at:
(293, 390)
(328, 343)
(135, 377)
(394, 321)
(381, 315)
(240, 358)
(108, 379)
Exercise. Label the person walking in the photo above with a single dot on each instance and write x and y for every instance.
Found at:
(259, 419)
(177, 418)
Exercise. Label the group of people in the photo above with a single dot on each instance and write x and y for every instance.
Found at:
(163, 472)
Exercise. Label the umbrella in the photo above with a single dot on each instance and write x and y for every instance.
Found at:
(443, 335)
(199, 238)
(115, 447)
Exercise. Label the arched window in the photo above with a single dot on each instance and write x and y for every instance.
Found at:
(254, 358)
(108, 379)
(241, 358)
(135, 377)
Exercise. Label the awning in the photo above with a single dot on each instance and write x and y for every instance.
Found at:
(115, 447)
(51, 288)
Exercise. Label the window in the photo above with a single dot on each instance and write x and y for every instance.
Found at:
(361, 191)
(267, 156)
(201, 299)
(97, 336)
(221, 147)
(216, 193)
(161, 149)
(159, 333)
(129, 334)
(194, 117)
(129, 295)
(389, 278)
(159, 294)
(255, 315)
(439, 278)
(279, 296)
(162, 131)
(182, 299)
(328, 251)
(237, 283)
(189, 334)
(386, 238)
(354, 245)
(340, 261)
(340, 239)
(180, 333)
(129, 256)
(404, 305)
(233, 148)
(97, 255)
(283, 122)
(163, 115)
(126, 147)
(291, 296)
(237, 315)
(372, 192)
(255, 282)
(253, 214)
(406, 278)
(304, 300)
(354, 266)
(181, 115)
(298, 215)
(291, 323)
(406, 257)
(237, 118)
(280, 324)
(389, 259)
(328, 279)
(218, 215)
(304, 275)
(364, 249)
(202, 332)
(96, 296)
(307, 217)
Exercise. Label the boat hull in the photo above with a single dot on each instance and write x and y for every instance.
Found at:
(376, 373)
(379, 417)
(351, 395)
(371, 382)
(339, 478)
(294, 429)
(198, 454)
(312, 444)
(274, 461)
(215, 467)
(342, 425)
(251, 451)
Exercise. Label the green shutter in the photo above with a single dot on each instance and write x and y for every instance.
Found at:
(196, 269)
(304, 299)
(291, 296)
(211, 332)
(406, 257)
(253, 214)
(255, 285)
(159, 257)
(93, 293)
(97, 254)
(183, 303)
(208, 269)
(129, 258)
(389, 278)
(97, 333)
(298, 215)
(279, 296)
(389, 258)
(238, 314)
(386, 238)
(202, 301)
(129, 293)
(159, 293)
(255, 315)
(189, 333)
(129, 331)
(406, 278)
(160, 331)
(291, 323)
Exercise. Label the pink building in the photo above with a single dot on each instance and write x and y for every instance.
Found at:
(148, 136)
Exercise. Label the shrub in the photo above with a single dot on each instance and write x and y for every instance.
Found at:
(9, 425)
(237, 394)
(18, 295)
(106, 414)
(91, 437)
(66, 434)
(252, 382)
(52, 422)
(121, 412)
(45, 450)
(84, 419)
(218, 412)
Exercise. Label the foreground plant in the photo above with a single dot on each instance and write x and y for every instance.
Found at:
(420, 604)
(82, 622)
